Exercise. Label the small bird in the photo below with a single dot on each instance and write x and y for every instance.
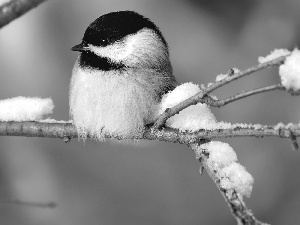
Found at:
(122, 71)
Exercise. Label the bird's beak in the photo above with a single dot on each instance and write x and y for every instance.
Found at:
(82, 47)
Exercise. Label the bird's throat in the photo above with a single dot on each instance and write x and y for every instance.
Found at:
(92, 61)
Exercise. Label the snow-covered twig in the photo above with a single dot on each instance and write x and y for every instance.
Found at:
(231, 76)
(16, 8)
(235, 202)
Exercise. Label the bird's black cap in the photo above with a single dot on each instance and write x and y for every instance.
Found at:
(114, 26)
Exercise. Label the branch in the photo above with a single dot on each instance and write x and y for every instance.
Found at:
(235, 202)
(275, 62)
(199, 97)
(219, 103)
(16, 8)
(67, 131)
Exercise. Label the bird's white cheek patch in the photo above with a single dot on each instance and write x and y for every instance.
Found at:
(124, 50)
(117, 52)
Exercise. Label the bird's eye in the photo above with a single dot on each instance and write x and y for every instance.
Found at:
(103, 41)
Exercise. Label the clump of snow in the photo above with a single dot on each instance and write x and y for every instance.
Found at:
(50, 120)
(192, 118)
(223, 125)
(25, 108)
(208, 85)
(221, 77)
(231, 72)
(279, 126)
(220, 154)
(236, 177)
(290, 71)
(179, 94)
(235, 70)
(222, 162)
(195, 117)
(276, 53)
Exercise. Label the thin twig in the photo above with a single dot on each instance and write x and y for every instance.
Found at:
(275, 62)
(293, 139)
(219, 103)
(235, 202)
(16, 8)
(199, 97)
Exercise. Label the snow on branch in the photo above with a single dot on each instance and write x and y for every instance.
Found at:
(234, 199)
(16, 8)
(184, 119)
(25, 108)
(201, 96)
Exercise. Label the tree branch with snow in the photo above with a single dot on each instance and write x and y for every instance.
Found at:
(232, 179)
(184, 119)
(221, 80)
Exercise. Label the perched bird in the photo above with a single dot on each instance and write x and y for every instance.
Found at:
(122, 71)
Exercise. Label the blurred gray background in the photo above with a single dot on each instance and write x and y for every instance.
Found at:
(106, 183)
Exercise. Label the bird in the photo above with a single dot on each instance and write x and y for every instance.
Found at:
(118, 80)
